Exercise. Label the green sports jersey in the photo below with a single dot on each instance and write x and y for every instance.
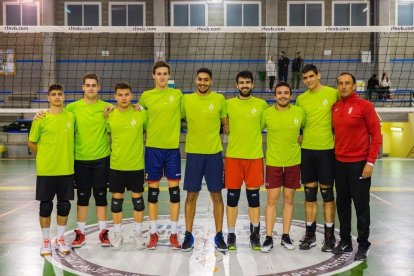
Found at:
(245, 138)
(317, 134)
(283, 129)
(91, 138)
(203, 114)
(54, 136)
(164, 118)
(127, 130)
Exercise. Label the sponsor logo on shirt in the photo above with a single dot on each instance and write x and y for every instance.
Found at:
(325, 102)
(350, 110)
(211, 107)
(336, 109)
(254, 111)
(133, 122)
(296, 121)
(171, 99)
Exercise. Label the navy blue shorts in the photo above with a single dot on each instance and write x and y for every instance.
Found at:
(162, 162)
(318, 166)
(209, 166)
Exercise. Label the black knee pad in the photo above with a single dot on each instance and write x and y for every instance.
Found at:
(45, 208)
(138, 203)
(83, 197)
(233, 196)
(116, 205)
(310, 193)
(63, 208)
(174, 194)
(253, 197)
(153, 195)
(100, 197)
(327, 194)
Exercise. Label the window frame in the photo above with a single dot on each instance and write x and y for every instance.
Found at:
(350, 10)
(110, 4)
(21, 4)
(188, 3)
(242, 3)
(305, 3)
(99, 4)
(396, 11)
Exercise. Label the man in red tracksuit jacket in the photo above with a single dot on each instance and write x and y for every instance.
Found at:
(357, 143)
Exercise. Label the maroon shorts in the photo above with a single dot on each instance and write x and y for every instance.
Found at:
(288, 177)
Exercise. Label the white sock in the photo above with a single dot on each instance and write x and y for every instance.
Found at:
(81, 226)
(138, 227)
(45, 233)
(61, 230)
(117, 227)
(309, 223)
(173, 227)
(255, 224)
(329, 225)
(153, 226)
(103, 225)
(231, 229)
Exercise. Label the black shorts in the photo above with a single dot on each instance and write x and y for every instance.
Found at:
(130, 180)
(49, 186)
(318, 166)
(92, 173)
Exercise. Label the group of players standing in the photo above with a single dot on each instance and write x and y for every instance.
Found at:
(300, 146)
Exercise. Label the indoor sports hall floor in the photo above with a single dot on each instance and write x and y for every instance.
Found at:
(392, 235)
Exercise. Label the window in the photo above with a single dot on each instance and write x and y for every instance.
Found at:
(126, 13)
(82, 13)
(16, 14)
(242, 13)
(189, 14)
(404, 13)
(309, 13)
(351, 13)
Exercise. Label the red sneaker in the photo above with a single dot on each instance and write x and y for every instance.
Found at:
(153, 241)
(79, 239)
(104, 238)
(175, 245)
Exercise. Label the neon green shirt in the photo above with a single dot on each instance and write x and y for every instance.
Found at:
(317, 134)
(245, 138)
(164, 118)
(54, 135)
(283, 129)
(126, 130)
(91, 138)
(203, 114)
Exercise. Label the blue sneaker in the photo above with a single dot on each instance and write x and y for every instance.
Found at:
(219, 242)
(188, 243)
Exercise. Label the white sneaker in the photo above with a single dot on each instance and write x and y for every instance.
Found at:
(60, 244)
(116, 241)
(287, 242)
(46, 249)
(139, 241)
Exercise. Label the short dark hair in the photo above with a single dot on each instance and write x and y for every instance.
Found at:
(122, 85)
(160, 64)
(244, 74)
(205, 70)
(283, 52)
(346, 73)
(282, 83)
(55, 86)
(91, 76)
(309, 67)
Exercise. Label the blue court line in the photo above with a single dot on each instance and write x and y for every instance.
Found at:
(402, 60)
(29, 60)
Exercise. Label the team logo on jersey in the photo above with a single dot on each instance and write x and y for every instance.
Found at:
(211, 107)
(68, 125)
(350, 110)
(133, 122)
(254, 111)
(296, 121)
(336, 109)
(325, 102)
(171, 99)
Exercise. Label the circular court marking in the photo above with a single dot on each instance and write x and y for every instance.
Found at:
(91, 259)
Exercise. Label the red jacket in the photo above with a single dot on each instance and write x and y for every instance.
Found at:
(357, 130)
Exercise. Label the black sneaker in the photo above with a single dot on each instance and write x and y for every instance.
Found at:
(343, 247)
(255, 237)
(287, 242)
(188, 243)
(361, 254)
(330, 240)
(267, 245)
(219, 242)
(309, 240)
(231, 241)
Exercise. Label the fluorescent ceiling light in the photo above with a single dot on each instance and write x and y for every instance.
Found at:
(396, 129)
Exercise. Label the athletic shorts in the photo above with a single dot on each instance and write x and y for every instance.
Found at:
(162, 162)
(237, 170)
(48, 186)
(209, 166)
(130, 180)
(318, 166)
(92, 173)
(288, 177)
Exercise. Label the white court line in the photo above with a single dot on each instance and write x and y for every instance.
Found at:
(17, 209)
(390, 204)
(17, 179)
